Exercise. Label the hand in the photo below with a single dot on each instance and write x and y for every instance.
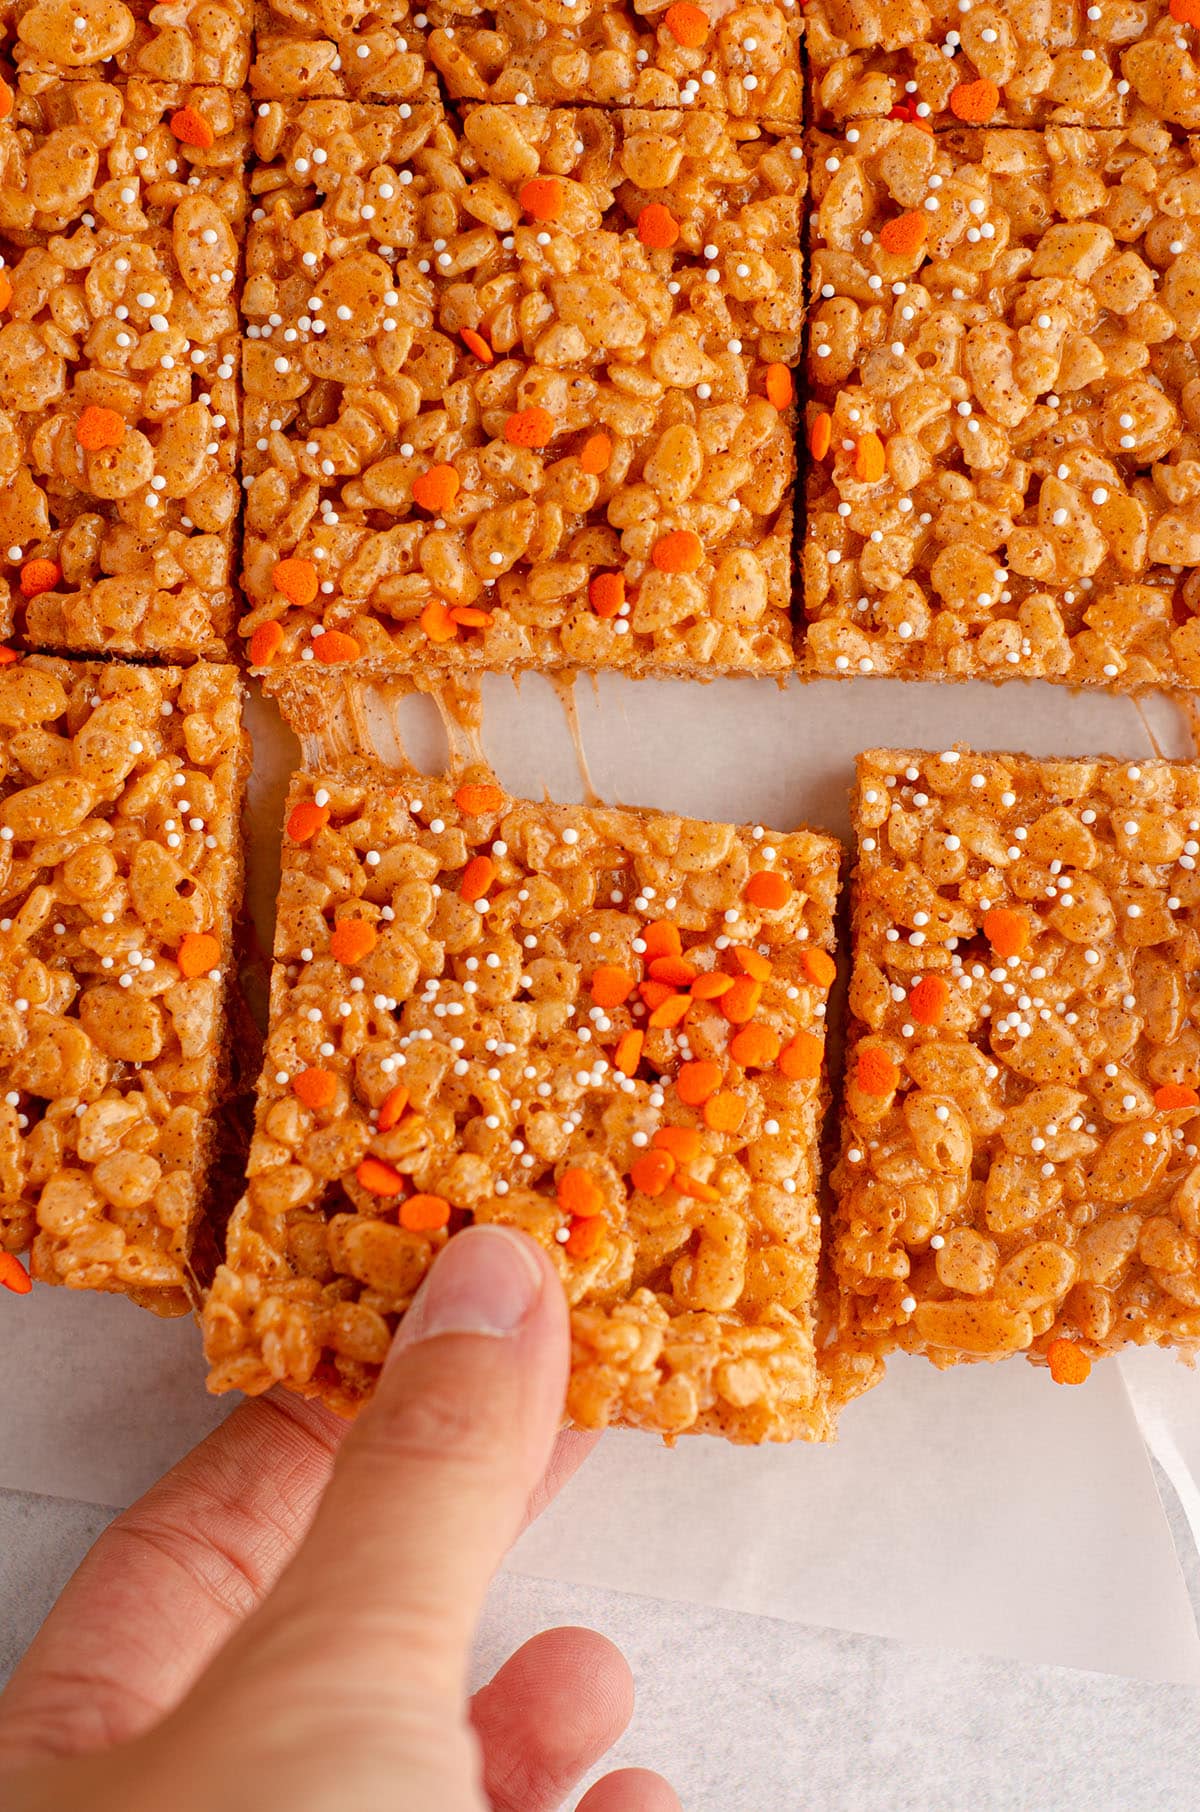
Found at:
(283, 1623)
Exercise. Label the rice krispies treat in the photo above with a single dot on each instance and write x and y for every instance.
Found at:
(52, 41)
(360, 50)
(120, 874)
(1004, 405)
(1021, 1115)
(509, 389)
(120, 211)
(604, 1027)
(1004, 62)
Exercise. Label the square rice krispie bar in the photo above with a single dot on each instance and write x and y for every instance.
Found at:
(1005, 445)
(1004, 62)
(604, 1027)
(120, 875)
(121, 208)
(189, 41)
(1020, 1168)
(519, 393)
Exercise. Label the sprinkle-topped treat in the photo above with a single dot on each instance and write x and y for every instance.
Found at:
(367, 51)
(1002, 418)
(604, 1027)
(1004, 62)
(189, 41)
(1020, 1168)
(120, 210)
(520, 393)
(120, 871)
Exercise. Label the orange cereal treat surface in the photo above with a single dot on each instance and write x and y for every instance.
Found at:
(1003, 62)
(52, 41)
(518, 387)
(121, 208)
(366, 52)
(566, 1020)
(1002, 421)
(120, 874)
(1020, 1167)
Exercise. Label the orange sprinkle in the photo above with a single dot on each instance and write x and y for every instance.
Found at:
(870, 462)
(652, 1171)
(541, 197)
(654, 993)
(753, 963)
(6, 291)
(191, 128)
(1184, 12)
(820, 437)
(8, 656)
(819, 967)
(297, 580)
(476, 798)
(606, 593)
(315, 1088)
(687, 24)
(673, 969)
(475, 342)
(532, 427)
(1006, 931)
(38, 576)
(98, 428)
(470, 618)
(580, 1194)
(424, 1213)
(678, 551)
(904, 235)
(697, 1081)
(335, 646)
(724, 1112)
(585, 1239)
(1068, 1363)
(711, 986)
(928, 1000)
(801, 1059)
(199, 952)
(596, 456)
(6, 100)
(657, 227)
(781, 391)
(875, 1072)
(975, 102)
(392, 1107)
(379, 1178)
(436, 489)
(611, 986)
(740, 1003)
(661, 938)
(683, 1142)
(692, 1186)
(768, 890)
(1174, 1095)
(754, 1047)
(13, 1275)
(477, 877)
(265, 644)
(628, 1053)
(306, 819)
(671, 1012)
(352, 940)
(437, 622)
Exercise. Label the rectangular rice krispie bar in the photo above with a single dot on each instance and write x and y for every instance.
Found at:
(1004, 62)
(1005, 456)
(519, 393)
(604, 1027)
(120, 875)
(1020, 1168)
(742, 58)
(121, 208)
(189, 41)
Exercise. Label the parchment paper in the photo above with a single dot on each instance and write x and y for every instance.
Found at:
(981, 1509)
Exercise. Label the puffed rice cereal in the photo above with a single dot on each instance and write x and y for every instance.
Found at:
(189, 41)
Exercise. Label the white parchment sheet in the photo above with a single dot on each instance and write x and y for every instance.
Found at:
(982, 1509)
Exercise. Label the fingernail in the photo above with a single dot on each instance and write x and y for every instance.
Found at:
(486, 1281)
